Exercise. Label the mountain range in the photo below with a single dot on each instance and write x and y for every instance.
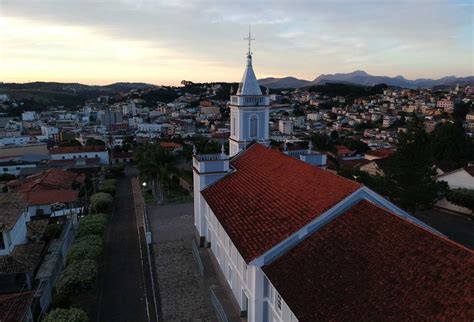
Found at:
(360, 77)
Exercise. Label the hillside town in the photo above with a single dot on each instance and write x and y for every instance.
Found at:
(61, 166)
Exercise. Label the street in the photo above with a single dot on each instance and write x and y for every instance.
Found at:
(121, 281)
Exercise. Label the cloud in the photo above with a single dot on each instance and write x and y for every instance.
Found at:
(423, 38)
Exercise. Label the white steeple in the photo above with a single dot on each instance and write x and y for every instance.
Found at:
(249, 111)
(249, 84)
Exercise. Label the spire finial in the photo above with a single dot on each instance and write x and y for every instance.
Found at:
(222, 148)
(194, 149)
(285, 147)
(249, 38)
(310, 146)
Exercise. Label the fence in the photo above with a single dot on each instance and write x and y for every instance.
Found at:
(197, 257)
(218, 307)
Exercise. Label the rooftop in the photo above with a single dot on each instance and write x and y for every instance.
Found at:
(77, 149)
(13, 306)
(267, 198)
(13, 205)
(370, 265)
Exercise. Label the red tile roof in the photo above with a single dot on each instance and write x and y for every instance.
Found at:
(343, 150)
(170, 145)
(48, 197)
(51, 179)
(270, 196)
(370, 265)
(14, 306)
(77, 149)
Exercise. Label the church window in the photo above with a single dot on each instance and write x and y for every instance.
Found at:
(254, 126)
(233, 125)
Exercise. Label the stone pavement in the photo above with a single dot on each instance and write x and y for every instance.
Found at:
(184, 293)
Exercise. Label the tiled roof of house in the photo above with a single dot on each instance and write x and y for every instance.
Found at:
(170, 145)
(14, 306)
(270, 196)
(24, 258)
(47, 197)
(123, 155)
(371, 265)
(12, 206)
(77, 149)
(51, 179)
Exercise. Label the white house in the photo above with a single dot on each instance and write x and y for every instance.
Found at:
(13, 218)
(285, 126)
(298, 243)
(462, 178)
(80, 152)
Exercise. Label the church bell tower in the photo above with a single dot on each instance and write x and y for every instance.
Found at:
(249, 111)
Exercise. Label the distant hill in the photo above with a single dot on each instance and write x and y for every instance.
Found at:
(72, 87)
(362, 78)
(285, 82)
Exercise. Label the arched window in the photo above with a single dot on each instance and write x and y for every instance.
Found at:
(254, 126)
(233, 125)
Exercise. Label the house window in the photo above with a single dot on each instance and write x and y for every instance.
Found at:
(254, 126)
(2, 242)
(63, 157)
(5, 169)
(96, 155)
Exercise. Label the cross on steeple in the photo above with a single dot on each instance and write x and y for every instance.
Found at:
(249, 38)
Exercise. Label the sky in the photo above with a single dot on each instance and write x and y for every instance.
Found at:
(165, 41)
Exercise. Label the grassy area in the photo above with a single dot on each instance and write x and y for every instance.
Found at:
(148, 197)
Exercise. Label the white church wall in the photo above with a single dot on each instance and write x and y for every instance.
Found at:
(238, 274)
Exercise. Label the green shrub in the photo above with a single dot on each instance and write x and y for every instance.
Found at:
(92, 225)
(110, 181)
(101, 202)
(89, 247)
(61, 301)
(77, 277)
(108, 188)
(66, 315)
(462, 197)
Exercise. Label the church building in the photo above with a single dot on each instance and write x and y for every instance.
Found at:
(298, 243)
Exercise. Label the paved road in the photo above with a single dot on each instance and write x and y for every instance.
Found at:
(183, 294)
(457, 228)
(121, 291)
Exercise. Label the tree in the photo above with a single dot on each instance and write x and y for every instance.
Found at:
(77, 277)
(93, 142)
(7, 177)
(451, 146)
(462, 197)
(356, 145)
(322, 142)
(66, 315)
(460, 110)
(89, 247)
(101, 202)
(409, 170)
(154, 164)
(73, 142)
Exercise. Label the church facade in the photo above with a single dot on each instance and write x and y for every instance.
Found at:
(298, 243)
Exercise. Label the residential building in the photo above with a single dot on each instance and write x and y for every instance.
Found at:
(79, 152)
